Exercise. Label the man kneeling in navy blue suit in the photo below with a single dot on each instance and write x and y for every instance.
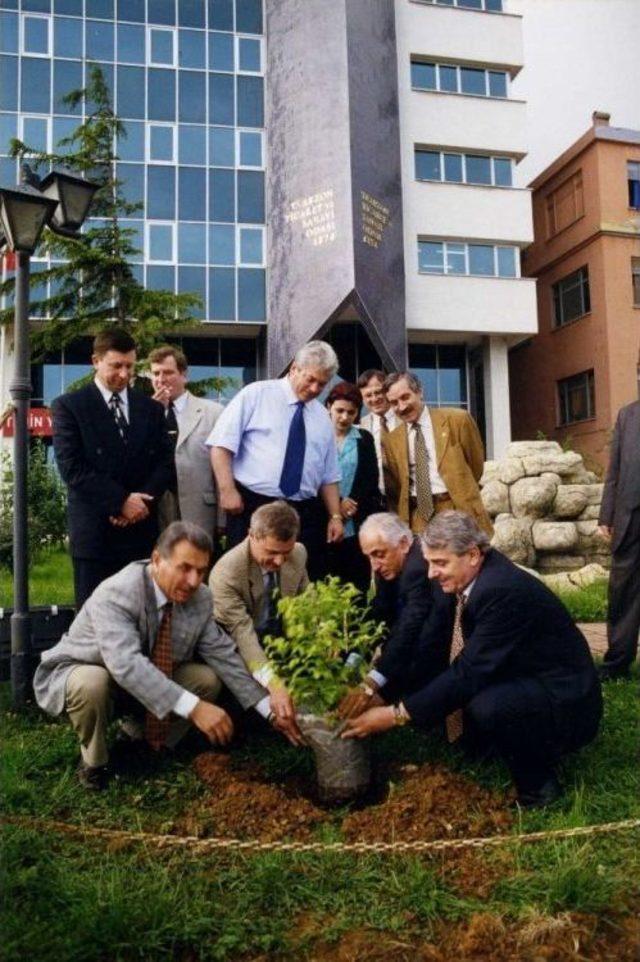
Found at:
(520, 678)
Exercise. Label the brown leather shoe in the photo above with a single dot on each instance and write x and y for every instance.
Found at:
(93, 779)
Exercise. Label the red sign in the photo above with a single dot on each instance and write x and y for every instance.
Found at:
(39, 423)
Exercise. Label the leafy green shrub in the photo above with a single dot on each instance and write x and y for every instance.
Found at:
(321, 628)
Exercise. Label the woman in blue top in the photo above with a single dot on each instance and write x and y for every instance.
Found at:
(359, 494)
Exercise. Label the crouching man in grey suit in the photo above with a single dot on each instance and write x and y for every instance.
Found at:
(133, 644)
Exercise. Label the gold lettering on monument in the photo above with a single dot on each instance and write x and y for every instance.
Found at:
(317, 216)
(375, 217)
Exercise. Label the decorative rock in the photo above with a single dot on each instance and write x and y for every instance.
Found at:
(490, 473)
(581, 476)
(521, 449)
(589, 540)
(510, 470)
(550, 476)
(512, 536)
(563, 463)
(532, 497)
(559, 582)
(560, 562)
(554, 535)
(495, 497)
(590, 513)
(569, 502)
(594, 493)
(588, 575)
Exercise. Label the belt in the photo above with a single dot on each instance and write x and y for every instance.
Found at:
(437, 499)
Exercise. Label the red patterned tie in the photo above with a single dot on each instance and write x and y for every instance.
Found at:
(157, 729)
(454, 720)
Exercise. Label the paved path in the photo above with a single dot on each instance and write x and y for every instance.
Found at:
(596, 635)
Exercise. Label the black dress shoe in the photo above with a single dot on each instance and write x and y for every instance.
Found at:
(93, 779)
(547, 793)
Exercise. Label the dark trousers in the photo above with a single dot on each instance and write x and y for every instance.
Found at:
(623, 617)
(88, 573)
(346, 560)
(313, 527)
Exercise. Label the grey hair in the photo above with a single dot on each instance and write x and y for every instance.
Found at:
(412, 381)
(277, 519)
(317, 354)
(389, 525)
(456, 531)
(179, 531)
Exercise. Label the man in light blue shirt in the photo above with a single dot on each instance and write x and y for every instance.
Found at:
(275, 441)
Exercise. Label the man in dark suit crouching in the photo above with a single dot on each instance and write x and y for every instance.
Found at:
(520, 679)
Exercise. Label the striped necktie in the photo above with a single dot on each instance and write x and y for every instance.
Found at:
(156, 730)
(454, 720)
(115, 403)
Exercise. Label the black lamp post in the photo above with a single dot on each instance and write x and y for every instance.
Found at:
(62, 201)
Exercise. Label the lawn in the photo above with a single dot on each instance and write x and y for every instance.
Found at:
(50, 581)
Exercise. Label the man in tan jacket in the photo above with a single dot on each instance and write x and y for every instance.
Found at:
(434, 459)
(245, 584)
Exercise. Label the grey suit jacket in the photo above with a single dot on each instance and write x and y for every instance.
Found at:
(621, 495)
(238, 590)
(196, 484)
(117, 627)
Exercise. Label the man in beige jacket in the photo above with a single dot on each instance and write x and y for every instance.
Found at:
(246, 582)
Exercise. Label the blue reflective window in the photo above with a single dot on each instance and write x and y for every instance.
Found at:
(132, 10)
(73, 7)
(161, 193)
(250, 102)
(221, 196)
(473, 81)
(8, 32)
(249, 55)
(251, 297)
(221, 100)
(249, 16)
(138, 272)
(222, 244)
(161, 11)
(478, 169)
(8, 171)
(250, 196)
(250, 149)
(471, 4)
(34, 133)
(452, 375)
(63, 127)
(161, 278)
(36, 35)
(497, 84)
(193, 280)
(160, 242)
(192, 198)
(99, 39)
(161, 43)
(161, 143)
(100, 8)
(9, 4)
(130, 43)
(9, 83)
(67, 37)
(220, 51)
(107, 70)
(221, 14)
(494, 5)
(222, 294)
(135, 238)
(502, 171)
(448, 79)
(427, 165)
(222, 146)
(192, 247)
(8, 130)
(192, 145)
(481, 259)
(132, 182)
(35, 86)
(192, 51)
(423, 75)
(130, 93)
(67, 76)
(250, 245)
(430, 257)
(162, 94)
(191, 96)
(191, 13)
(507, 262)
(455, 261)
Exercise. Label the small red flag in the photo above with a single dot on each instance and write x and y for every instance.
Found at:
(9, 260)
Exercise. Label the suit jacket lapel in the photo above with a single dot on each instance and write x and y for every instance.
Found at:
(256, 582)
(190, 418)
(101, 418)
(149, 610)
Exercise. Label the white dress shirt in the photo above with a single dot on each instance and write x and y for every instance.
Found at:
(437, 484)
(374, 424)
(107, 395)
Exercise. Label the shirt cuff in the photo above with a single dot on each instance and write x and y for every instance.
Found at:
(378, 677)
(185, 704)
(264, 707)
(264, 675)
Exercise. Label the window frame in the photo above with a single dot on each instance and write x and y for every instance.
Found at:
(635, 281)
(236, 54)
(148, 159)
(21, 42)
(148, 259)
(48, 118)
(633, 180)
(551, 207)
(463, 155)
(438, 65)
(149, 47)
(466, 244)
(239, 261)
(578, 279)
(249, 130)
(564, 386)
(459, 5)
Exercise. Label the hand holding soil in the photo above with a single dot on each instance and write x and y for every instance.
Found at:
(213, 721)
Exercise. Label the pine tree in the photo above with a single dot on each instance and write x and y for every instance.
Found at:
(93, 285)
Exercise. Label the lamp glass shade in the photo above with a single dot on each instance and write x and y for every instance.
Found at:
(74, 196)
(23, 214)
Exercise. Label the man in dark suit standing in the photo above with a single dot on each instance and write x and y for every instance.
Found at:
(620, 523)
(115, 456)
(520, 680)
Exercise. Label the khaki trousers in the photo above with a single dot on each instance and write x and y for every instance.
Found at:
(92, 698)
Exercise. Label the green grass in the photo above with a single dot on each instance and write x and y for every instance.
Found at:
(80, 902)
(587, 604)
(50, 581)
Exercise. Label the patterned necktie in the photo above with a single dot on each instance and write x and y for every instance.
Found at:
(157, 729)
(294, 455)
(115, 403)
(172, 423)
(424, 495)
(384, 427)
(454, 720)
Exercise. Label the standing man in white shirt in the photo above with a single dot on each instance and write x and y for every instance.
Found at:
(274, 441)
(381, 418)
(189, 420)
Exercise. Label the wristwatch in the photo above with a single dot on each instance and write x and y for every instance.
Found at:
(400, 714)
(337, 517)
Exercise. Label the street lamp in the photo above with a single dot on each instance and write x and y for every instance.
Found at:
(61, 200)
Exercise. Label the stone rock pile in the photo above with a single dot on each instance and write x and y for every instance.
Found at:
(545, 504)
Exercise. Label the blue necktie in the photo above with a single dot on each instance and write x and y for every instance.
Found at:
(294, 455)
